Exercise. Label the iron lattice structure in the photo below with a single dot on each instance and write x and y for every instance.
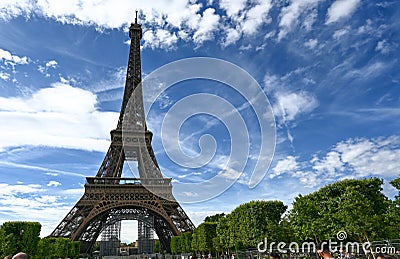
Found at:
(110, 240)
(108, 197)
(146, 236)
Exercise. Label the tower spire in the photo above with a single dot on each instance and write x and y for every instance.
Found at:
(134, 71)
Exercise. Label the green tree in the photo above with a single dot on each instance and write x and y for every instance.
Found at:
(223, 234)
(253, 221)
(186, 242)
(57, 247)
(2, 242)
(195, 243)
(157, 246)
(20, 236)
(175, 245)
(214, 218)
(205, 233)
(355, 206)
(393, 213)
(396, 184)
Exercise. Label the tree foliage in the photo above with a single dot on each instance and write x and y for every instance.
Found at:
(182, 243)
(252, 222)
(175, 245)
(19, 236)
(24, 236)
(203, 237)
(214, 218)
(396, 184)
(186, 242)
(393, 214)
(157, 246)
(355, 206)
(59, 247)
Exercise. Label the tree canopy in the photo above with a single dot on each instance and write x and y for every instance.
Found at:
(356, 206)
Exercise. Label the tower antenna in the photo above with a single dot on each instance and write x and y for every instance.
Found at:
(136, 16)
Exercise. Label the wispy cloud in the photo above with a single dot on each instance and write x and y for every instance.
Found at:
(49, 171)
(9, 58)
(289, 105)
(341, 9)
(52, 64)
(164, 23)
(290, 14)
(32, 202)
(352, 158)
(53, 184)
(59, 116)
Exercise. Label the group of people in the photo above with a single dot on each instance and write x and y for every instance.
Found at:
(20, 255)
(325, 253)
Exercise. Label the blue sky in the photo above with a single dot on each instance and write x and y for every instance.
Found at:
(328, 68)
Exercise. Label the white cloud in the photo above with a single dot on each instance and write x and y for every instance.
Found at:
(30, 202)
(341, 9)
(383, 47)
(6, 189)
(230, 173)
(357, 158)
(182, 19)
(287, 105)
(307, 178)
(287, 165)
(208, 24)
(310, 20)
(331, 165)
(44, 69)
(232, 7)
(256, 16)
(291, 167)
(60, 116)
(272, 83)
(243, 18)
(368, 71)
(12, 59)
(245, 47)
(339, 33)
(53, 184)
(160, 39)
(290, 14)
(11, 8)
(290, 105)
(51, 172)
(172, 15)
(4, 76)
(378, 156)
(350, 159)
(52, 64)
(47, 199)
(311, 43)
(232, 35)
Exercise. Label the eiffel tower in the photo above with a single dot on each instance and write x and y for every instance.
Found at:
(109, 198)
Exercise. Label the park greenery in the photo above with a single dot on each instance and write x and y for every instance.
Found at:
(24, 236)
(357, 207)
